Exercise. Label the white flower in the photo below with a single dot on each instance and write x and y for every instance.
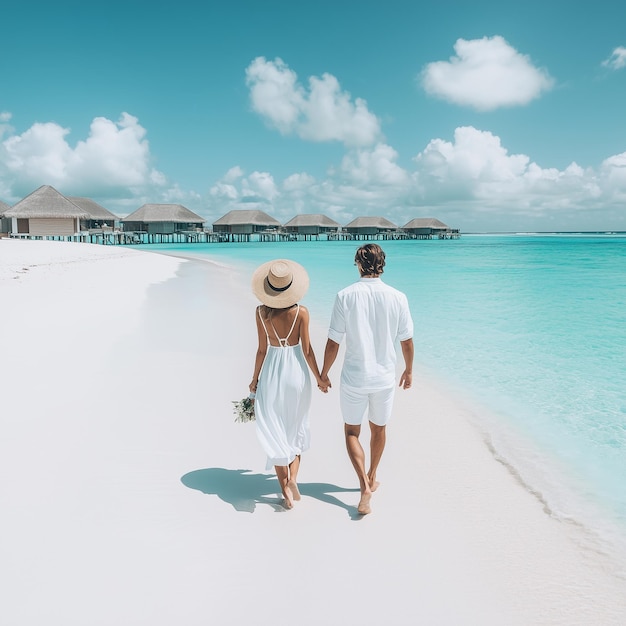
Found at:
(244, 410)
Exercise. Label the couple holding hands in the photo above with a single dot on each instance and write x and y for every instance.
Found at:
(372, 317)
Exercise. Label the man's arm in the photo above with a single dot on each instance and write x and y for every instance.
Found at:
(407, 352)
(330, 355)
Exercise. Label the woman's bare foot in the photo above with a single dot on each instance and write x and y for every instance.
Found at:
(374, 484)
(295, 492)
(364, 507)
(288, 495)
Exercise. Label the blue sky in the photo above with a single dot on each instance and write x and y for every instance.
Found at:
(488, 115)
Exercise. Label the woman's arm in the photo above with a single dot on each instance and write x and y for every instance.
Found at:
(305, 340)
(260, 353)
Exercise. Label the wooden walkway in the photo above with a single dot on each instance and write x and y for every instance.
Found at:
(119, 237)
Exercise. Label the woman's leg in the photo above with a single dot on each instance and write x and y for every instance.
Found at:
(282, 472)
(292, 484)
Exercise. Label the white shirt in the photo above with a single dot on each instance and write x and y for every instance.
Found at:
(373, 317)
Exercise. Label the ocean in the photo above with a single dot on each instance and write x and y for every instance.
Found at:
(529, 329)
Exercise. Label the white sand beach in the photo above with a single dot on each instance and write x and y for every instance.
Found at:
(129, 496)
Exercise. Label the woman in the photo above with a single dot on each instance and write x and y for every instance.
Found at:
(281, 379)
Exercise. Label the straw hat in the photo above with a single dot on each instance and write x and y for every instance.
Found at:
(280, 283)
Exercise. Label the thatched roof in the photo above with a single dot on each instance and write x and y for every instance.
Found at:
(3, 207)
(239, 217)
(371, 222)
(313, 219)
(176, 213)
(45, 202)
(95, 210)
(426, 222)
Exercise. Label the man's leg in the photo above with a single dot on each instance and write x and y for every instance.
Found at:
(378, 439)
(380, 408)
(357, 456)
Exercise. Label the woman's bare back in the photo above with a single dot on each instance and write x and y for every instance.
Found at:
(281, 321)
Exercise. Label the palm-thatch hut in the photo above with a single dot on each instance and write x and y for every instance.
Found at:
(311, 225)
(45, 212)
(245, 222)
(5, 222)
(99, 217)
(427, 227)
(368, 226)
(162, 219)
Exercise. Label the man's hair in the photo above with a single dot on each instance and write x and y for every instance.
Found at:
(371, 259)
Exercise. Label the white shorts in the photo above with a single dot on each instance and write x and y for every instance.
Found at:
(355, 403)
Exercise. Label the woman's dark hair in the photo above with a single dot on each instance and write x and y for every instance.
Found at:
(371, 259)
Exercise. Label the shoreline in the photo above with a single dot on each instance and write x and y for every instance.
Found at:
(538, 473)
(585, 537)
(130, 481)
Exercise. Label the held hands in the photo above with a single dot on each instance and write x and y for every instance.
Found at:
(324, 384)
(405, 380)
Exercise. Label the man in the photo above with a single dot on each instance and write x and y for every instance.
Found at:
(372, 316)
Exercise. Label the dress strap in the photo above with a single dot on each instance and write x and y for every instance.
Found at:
(294, 323)
(284, 342)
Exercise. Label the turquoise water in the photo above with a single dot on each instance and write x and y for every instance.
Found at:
(531, 327)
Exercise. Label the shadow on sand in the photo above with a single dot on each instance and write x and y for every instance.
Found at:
(243, 490)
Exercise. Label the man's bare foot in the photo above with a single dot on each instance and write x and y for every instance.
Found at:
(295, 492)
(364, 507)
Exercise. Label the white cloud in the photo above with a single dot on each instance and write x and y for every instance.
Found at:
(613, 177)
(237, 191)
(322, 113)
(617, 60)
(374, 167)
(260, 185)
(477, 175)
(114, 151)
(486, 74)
(233, 174)
(176, 195)
(367, 182)
(471, 181)
(224, 191)
(113, 160)
(473, 156)
(298, 182)
(5, 128)
(40, 153)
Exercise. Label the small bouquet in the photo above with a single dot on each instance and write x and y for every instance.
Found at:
(244, 409)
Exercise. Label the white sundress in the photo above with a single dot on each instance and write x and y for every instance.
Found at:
(283, 398)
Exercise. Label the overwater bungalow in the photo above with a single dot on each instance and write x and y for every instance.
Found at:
(99, 217)
(5, 222)
(45, 213)
(162, 219)
(311, 225)
(369, 227)
(429, 227)
(239, 224)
